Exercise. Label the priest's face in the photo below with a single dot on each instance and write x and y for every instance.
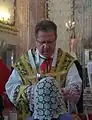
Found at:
(46, 42)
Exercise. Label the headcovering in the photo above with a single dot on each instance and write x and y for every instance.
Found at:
(48, 100)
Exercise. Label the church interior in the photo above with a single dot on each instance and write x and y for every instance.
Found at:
(73, 19)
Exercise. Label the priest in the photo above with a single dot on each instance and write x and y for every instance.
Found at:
(38, 67)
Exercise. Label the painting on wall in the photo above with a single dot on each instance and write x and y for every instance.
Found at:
(7, 12)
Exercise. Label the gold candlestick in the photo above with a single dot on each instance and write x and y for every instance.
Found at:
(70, 25)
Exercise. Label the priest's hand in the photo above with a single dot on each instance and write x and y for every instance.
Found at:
(71, 95)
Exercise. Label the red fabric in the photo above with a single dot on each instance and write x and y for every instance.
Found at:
(4, 75)
(90, 116)
(46, 65)
(6, 101)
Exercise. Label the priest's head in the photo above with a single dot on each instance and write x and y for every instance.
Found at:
(46, 35)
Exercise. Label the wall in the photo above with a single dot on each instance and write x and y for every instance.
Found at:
(83, 17)
(22, 24)
(60, 13)
(29, 12)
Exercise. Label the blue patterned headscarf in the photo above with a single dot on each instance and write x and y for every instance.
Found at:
(48, 100)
